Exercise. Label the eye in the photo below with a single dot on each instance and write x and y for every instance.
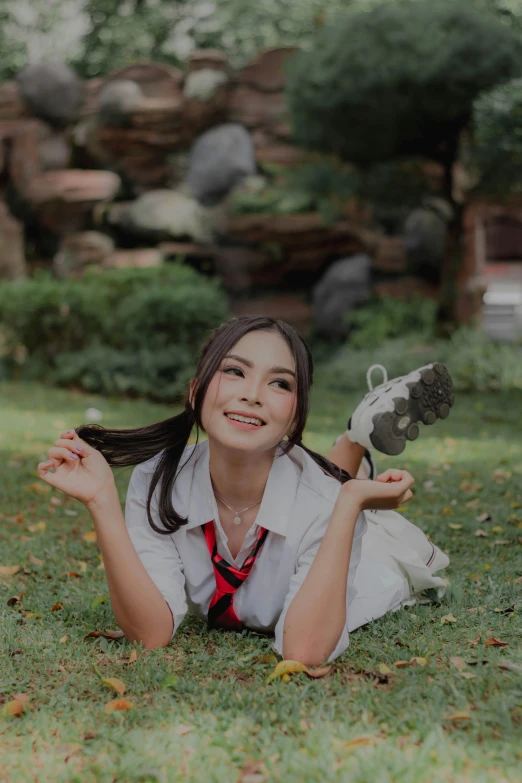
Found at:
(233, 371)
(284, 384)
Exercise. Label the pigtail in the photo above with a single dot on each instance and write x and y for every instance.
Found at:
(328, 467)
(124, 448)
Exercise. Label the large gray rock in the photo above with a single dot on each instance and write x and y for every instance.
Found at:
(161, 214)
(343, 286)
(219, 160)
(52, 91)
(424, 233)
(118, 100)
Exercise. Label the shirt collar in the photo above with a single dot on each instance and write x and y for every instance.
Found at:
(278, 498)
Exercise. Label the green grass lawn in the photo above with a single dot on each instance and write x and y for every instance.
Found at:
(451, 721)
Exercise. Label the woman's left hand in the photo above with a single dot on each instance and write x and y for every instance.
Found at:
(388, 491)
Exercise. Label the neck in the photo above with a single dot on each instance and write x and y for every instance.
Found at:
(238, 478)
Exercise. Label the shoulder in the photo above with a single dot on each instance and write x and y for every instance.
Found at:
(315, 485)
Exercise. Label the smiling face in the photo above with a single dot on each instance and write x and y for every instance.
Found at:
(251, 400)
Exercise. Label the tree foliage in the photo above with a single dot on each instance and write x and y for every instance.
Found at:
(399, 79)
(495, 148)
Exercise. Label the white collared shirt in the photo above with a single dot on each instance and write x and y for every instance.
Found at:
(296, 508)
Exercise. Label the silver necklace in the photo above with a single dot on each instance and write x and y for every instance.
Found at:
(237, 518)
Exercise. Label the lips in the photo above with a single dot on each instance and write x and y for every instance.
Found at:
(246, 416)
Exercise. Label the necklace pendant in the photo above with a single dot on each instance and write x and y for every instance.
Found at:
(237, 520)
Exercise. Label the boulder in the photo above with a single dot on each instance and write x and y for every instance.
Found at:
(55, 152)
(138, 258)
(201, 85)
(77, 251)
(219, 160)
(117, 101)
(52, 91)
(424, 235)
(343, 286)
(162, 214)
(267, 72)
(12, 255)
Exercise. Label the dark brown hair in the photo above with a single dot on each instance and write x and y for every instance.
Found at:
(168, 439)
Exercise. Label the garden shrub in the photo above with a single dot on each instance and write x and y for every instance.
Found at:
(390, 317)
(477, 362)
(133, 331)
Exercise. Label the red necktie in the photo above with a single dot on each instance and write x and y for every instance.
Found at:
(228, 578)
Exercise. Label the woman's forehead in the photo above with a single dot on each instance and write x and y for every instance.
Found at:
(261, 345)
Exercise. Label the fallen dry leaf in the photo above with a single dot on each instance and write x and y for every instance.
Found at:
(518, 580)
(419, 661)
(468, 675)
(110, 634)
(458, 662)
(455, 527)
(118, 704)
(481, 533)
(360, 742)
(475, 641)
(114, 684)
(133, 657)
(458, 715)
(35, 561)
(39, 487)
(485, 517)
(57, 607)
(291, 667)
(286, 678)
(492, 642)
(63, 639)
(402, 664)
(16, 706)
(383, 669)
(90, 537)
(448, 618)
(9, 570)
(182, 729)
(510, 666)
(472, 503)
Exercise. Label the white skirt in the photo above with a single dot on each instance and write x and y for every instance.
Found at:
(397, 568)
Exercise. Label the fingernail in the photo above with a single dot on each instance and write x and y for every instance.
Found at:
(79, 448)
(70, 432)
(74, 456)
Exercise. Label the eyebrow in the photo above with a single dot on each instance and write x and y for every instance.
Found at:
(247, 363)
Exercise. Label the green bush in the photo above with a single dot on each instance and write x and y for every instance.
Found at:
(132, 331)
(390, 317)
(476, 361)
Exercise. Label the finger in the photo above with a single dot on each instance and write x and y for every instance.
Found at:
(72, 445)
(68, 434)
(43, 469)
(392, 474)
(62, 454)
(405, 497)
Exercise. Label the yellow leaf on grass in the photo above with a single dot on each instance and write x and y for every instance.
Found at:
(286, 677)
(82, 567)
(35, 561)
(90, 537)
(291, 667)
(9, 570)
(383, 669)
(119, 704)
(447, 511)
(133, 656)
(420, 661)
(402, 664)
(458, 715)
(115, 684)
(39, 488)
(455, 527)
(16, 706)
(360, 742)
(63, 639)
(38, 527)
(448, 618)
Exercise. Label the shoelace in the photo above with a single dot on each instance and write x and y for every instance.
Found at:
(369, 375)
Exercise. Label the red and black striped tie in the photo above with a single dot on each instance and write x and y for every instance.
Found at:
(228, 578)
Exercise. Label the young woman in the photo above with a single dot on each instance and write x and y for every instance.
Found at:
(250, 528)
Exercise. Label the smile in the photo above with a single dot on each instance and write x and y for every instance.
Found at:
(253, 421)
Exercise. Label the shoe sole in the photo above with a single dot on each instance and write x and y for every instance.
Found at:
(431, 398)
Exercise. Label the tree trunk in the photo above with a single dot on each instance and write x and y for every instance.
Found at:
(448, 295)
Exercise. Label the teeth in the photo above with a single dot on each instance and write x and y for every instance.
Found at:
(236, 417)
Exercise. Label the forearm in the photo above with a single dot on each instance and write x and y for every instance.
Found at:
(346, 455)
(140, 609)
(317, 615)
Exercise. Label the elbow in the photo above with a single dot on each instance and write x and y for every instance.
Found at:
(307, 657)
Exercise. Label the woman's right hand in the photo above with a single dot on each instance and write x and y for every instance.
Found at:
(388, 491)
(79, 470)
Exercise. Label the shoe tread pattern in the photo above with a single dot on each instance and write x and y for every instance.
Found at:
(435, 397)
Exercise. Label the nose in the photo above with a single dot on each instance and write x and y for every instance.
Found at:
(251, 394)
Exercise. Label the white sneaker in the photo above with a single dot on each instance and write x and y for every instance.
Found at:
(387, 416)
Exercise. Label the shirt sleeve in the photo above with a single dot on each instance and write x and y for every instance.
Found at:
(157, 552)
(305, 557)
